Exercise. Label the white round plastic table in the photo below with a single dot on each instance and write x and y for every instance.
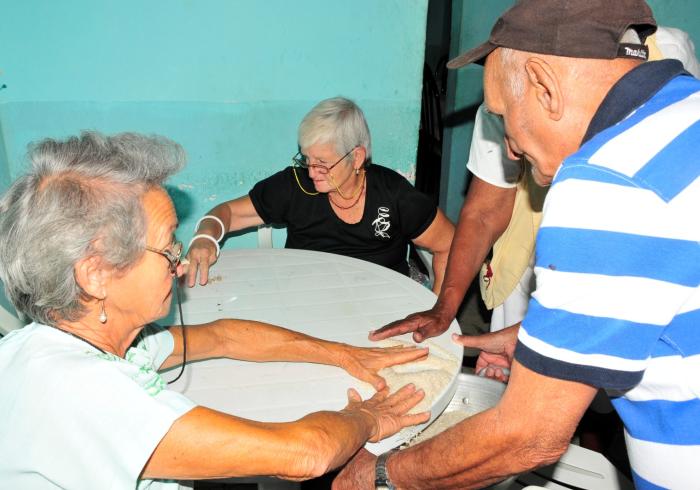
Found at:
(324, 295)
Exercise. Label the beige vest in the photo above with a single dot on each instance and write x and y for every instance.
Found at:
(513, 250)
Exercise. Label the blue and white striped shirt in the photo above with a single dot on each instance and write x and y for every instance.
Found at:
(617, 303)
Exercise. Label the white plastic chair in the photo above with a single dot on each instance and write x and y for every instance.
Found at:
(578, 468)
(265, 236)
(427, 258)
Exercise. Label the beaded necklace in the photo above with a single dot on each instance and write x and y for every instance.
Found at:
(357, 190)
(359, 195)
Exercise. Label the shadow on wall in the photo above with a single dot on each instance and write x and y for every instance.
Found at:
(183, 201)
(461, 116)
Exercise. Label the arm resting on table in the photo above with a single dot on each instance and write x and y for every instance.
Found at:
(530, 427)
(205, 443)
(249, 340)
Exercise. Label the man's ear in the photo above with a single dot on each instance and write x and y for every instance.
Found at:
(92, 276)
(543, 79)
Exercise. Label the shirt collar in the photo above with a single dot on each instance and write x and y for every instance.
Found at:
(631, 91)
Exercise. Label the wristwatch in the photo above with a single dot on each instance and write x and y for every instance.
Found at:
(381, 476)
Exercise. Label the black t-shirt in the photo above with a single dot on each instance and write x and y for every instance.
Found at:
(395, 212)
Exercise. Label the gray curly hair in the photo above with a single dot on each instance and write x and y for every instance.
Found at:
(76, 192)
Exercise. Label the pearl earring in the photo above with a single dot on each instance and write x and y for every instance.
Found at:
(357, 171)
(103, 313)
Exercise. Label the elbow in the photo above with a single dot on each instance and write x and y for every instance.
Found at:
(547, 453)
(539, 450)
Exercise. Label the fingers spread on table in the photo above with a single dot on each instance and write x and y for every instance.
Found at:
(394, 328)
(432, 329)
(406, 397)
(405, 354)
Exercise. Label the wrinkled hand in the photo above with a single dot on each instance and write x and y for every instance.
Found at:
(201, 256)
(424, 324)
(364, 362)
(497, 349)
(389, 413)
(358, 474)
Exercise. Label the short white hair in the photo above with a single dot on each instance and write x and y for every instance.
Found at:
(512, 64)
(338, 121)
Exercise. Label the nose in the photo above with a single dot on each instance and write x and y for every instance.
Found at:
(314, 172)
(510, 152)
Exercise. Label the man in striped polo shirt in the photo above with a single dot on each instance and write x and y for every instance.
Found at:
(617, 303)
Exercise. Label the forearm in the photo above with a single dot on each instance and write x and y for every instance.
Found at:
(212, 227)
(470, 247)
(439, 265)
(470, 455)
(208, 444)
(339, 435)
(484, 216)
(530, 427)
(252, 341)
(237, 214)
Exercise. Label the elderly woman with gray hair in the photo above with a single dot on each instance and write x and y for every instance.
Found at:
(87, 251)
(332, 200)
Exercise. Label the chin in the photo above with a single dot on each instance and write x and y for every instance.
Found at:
(323, 188)
(539, 178)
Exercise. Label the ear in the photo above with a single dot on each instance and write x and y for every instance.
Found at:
(360, 155)
(92, 276)
(543, 79)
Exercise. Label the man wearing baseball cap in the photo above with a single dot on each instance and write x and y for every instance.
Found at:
(617, 304)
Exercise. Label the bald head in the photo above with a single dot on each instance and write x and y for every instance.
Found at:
(547, 102)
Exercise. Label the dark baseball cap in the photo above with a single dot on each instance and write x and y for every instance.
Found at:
(573, 28)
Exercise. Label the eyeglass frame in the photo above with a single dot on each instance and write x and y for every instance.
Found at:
(320, 168)
(171, 255)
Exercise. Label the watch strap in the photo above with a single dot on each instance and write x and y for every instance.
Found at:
(381, 475)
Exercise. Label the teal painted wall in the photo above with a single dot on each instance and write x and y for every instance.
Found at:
(228, 79)
(471, 24)
(683, 14)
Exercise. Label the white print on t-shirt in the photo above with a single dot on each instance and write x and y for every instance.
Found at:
(381, 223)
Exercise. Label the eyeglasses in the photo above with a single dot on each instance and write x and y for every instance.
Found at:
(300, 160)
(172, 255)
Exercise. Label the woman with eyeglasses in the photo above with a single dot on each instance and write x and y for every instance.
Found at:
(332, 200)
(87, 251)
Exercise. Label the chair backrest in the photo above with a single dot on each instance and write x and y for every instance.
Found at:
(264, 236)
(427, 258)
